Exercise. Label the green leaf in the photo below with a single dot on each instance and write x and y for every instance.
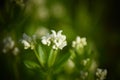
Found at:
(31, 64)
(62, 60)
(52, 57)
(41, 55)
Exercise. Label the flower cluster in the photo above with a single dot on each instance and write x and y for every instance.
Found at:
(9, 45)
(28, 41)
(101, 74)
(57, 40)
(79, 43)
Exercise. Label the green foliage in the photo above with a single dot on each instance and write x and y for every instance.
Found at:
(61, 60)
(31, 64)
(42, 56)
(52, 57)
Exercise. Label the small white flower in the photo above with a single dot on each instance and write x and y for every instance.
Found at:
(28, 42)
(79, 43)
(46, 39)
(101, 74)
(57, 40)
(8, 44)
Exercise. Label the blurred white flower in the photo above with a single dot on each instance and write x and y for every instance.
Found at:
(85, 62)
(8, 44)
(38, 2)
(19, 2)
(58, 10)
(34, 7)
(28, 42)
(43, 13)
(57, 39)
(69, 66)
(16, 51)
(46, 40)
(83, 74)
(41, 31)
(101, 74)
(79, 43)
(93, 66)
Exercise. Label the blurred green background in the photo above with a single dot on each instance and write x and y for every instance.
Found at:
(98, 20)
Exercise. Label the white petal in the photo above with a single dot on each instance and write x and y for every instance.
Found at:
(26, 44)
(44, 41)
(59, 33)
(53, 33)
(27, 38)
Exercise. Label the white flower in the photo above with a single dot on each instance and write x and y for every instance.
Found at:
(41, 31)
(57, 40)
(28, 42)
(8, 44)
(79, 43)
(46, 39)
(101, 74)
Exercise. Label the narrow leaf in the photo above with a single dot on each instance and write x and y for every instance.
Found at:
(52, 57)
(41, 55)
(31, 64)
